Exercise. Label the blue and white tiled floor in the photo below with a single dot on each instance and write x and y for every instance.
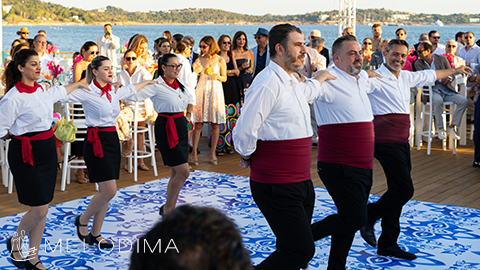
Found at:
(443, 237)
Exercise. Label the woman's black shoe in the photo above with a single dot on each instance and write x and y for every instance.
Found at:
(160, 212)
(102, 244)
(30, 266)
(16, 262)
(83, 238)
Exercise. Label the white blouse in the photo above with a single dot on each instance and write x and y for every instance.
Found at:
(348, 102)
(141, 74)
(275, 109)
(187, 75)
(391, 94)
(165, 99)
(22, 112)
(99, 111)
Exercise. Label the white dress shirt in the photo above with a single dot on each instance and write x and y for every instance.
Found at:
(99, 111)
(108, 47)
(45, 58)
(187, 75)
(348, 101)
(391, 94)
(22, 112)
(165, 99)
(141, 74)
(276, 108)
(471, 56)
(440, 49)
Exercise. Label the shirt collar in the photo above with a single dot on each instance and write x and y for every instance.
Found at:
(282, 74)
(387, 74)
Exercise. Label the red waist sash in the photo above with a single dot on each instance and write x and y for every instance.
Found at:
(392, 127)
(282, 162)
(27, 155)
(350, 144)
(95, 140)
(172, 135)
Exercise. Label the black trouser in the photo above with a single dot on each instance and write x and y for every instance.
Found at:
(349, 188)
(396, 163)
(288, 210)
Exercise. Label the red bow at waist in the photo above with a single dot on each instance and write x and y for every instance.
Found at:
(95, 140)
(27, 147)
(172, 135)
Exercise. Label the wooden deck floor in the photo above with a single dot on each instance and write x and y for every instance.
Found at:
(441, 178)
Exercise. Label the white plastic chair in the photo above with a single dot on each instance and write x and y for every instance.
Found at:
(427, 115)
(78, 117)
(134, 156)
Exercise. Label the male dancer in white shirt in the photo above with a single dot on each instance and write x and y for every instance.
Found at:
(273, 135)
(390, 99)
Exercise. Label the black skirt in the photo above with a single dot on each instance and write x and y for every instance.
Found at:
(108, 167)
(35, 184)
(178, 154)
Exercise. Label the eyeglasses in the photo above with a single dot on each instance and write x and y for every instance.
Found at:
(93, 52)
(226, 42)
(367, 43)
(131, 58)
(451, 46)
(175, 67)
(203, 46)
(436, 37)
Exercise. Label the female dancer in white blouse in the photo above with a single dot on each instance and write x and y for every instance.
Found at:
(134, 73)
(101, 149)
(170, 99)
(27, 114)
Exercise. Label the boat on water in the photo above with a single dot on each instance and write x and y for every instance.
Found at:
(438, 23)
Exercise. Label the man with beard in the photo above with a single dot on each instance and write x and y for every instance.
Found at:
(377, 37)
(390, 99)
(273, 135)
(345, 148)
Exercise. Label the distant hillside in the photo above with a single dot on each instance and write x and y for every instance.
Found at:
(38, 12)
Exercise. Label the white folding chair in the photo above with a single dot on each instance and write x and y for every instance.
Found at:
(134, 156)
(76, 114)
(427, 115)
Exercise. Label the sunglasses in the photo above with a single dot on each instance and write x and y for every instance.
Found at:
(175, 67)
(131, 58)
(451, 46)
(226, 42)
(94, 52)
(420, 51)
(438, 37)
(367, 43)
(203, 46)
(23, 33)
(258, 37)
(469, 37)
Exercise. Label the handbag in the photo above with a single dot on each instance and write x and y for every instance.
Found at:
(65, 132)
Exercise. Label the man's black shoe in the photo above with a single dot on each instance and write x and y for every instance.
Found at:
(369, 235)
(397, 252)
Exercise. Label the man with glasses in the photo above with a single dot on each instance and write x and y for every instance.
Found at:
(40, 46)
(23, 33)
(451, 48)
(434, 38)
(471, 52)
(193, 55)
(401, 34)
(108, 44)
(261, 55)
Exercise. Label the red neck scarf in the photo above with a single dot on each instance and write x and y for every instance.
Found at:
(105, 90)
(173, 85)
(23, 88)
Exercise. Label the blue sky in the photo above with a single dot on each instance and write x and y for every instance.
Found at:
(282, 7)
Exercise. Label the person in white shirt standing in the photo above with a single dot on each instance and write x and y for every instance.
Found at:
(40, 46)
(470, 52)
(108, 44)
(273, 135)
(390, 99)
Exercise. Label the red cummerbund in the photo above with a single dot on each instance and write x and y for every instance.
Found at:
(349, 144)
(282, 162)
(394, 127)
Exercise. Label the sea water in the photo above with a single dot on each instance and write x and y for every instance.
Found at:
(71, 38)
